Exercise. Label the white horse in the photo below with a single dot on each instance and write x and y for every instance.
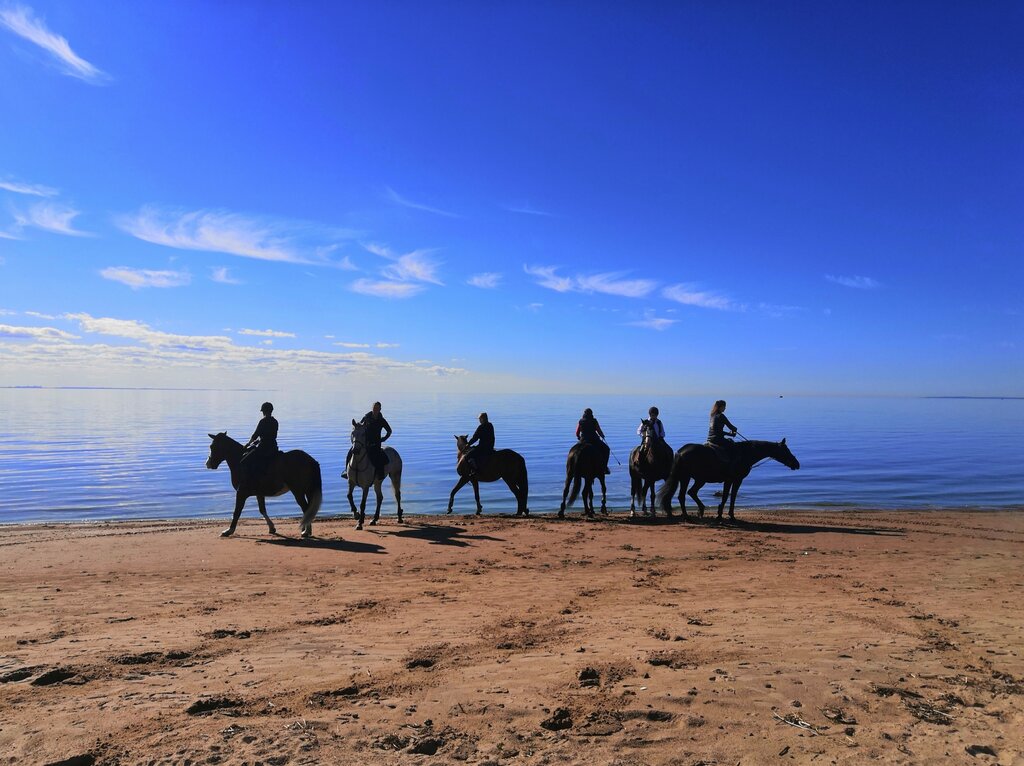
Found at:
(361, 473)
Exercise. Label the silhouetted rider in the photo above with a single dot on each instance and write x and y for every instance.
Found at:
(588, 430)
(656, 427)
(262, 445)
(374, 422)
(716, 431)
(484, 434)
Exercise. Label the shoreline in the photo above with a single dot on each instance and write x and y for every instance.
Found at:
(880, 636)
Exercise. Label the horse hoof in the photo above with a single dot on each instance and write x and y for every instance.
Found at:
(448, 512)
(307, 534)
(373, 523)
(227, 532)
(359, 526)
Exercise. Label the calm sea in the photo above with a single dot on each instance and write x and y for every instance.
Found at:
(81, 455)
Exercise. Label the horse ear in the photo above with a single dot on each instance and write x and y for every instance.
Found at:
(354, 422)
(783, 442)
(211, 436)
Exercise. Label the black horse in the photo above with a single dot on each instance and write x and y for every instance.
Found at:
(705, 465)
(293, 470)
(650, 462)
(584, 463)
(505, 464)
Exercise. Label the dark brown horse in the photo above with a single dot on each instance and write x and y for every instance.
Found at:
(704, 465)
(650, 462)
(584, 463)
(505, 464)
(293, 471)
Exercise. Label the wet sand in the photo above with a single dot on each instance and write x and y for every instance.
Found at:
(841, 637)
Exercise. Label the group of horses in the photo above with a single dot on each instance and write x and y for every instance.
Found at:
(650, 462)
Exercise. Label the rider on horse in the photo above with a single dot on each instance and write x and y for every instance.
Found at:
(588, 431)
(374, 423)
(716, 432)
(484, 434)
(262, 445)
(652, 425)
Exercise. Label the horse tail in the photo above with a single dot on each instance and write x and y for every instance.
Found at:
(315, 491)
(575, 490)
(668, 489)
(524, 481)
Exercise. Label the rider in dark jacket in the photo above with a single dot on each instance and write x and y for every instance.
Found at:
(262, 445)
(588, 430)
(716, 432)
(484, 434)
(374, 422)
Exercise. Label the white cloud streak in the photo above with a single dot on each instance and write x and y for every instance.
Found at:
(267, 333)
(405, 276)
(386, 289)
(858, 283)
(608, 283)
(398, 199)
(21, 21)
(486, 281)
(221, 275)
(218, 231)
(34, 190)
(690, 295)
(35, 333)
(139, 278)
(652, 322)
(50, 216)
(346, 344)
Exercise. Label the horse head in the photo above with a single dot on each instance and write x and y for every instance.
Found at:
(218, 449)
(784, 456)
(461, 442)
(358, 438)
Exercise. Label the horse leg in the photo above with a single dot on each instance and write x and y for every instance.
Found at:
(263, 512)
(239, 502)
(362, 508)
(396, 485)
(604, 495)
(476, 494)
(726, 487)
(588, 497)
(515, 492)
(653, 493)
(565, 494)
(732, 499)
(697, 484)
(463, 481)
(351, 500)
(380, 498)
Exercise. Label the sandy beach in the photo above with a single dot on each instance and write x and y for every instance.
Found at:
(841, 637)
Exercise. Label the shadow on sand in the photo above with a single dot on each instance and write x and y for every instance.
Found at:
(343, 546)
(776, 527)
(440, 534)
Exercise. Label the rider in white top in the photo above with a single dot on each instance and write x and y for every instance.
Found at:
(659, 429)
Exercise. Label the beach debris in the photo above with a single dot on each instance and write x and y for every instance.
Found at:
(426, 746)
(58, 676)
(229, 633)
(212, 704)
(391, 742)
(589, 677)
(697, 621)
(20, 674)
(784, 750)
(668, 658)
(838, 715)
(560, 719)
(976, 750)
(325, 698)
(792, 719)
(888, 691)
(925, 711)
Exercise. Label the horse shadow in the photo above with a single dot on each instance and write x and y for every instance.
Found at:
(792, 528)
(441, 534)
(342, 546)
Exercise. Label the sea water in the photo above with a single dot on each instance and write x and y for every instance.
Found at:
(100, 454)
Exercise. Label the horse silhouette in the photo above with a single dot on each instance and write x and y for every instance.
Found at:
(361, 473)
(704, 465)
(293, 471)
(584, 463)
(505, 464)
(649, 462)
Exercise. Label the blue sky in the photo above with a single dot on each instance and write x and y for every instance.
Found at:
(719, 198)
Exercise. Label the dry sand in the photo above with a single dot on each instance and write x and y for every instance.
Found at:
(792, 638)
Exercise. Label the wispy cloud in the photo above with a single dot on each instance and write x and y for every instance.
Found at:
(652, 322)
(487, 281)
(34, 190)
(346, 344)
(139, 278)
(526, 210)
(406, 274)
(140, 347)
(691, 295)
(267, 333)
(609, 283)
(398, 199)
(859, 283)
(50, 216)
(386, 288)
(219, 231)
(39, 315)
(388, 345)
(35, 333)
(22, 22)
(220, 274)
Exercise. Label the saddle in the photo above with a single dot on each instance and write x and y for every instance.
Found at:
(723, 453)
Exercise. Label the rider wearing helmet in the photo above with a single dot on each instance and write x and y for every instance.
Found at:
(588, 431)
(262, 445)
(374, 422)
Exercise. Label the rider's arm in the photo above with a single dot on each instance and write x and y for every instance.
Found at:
(640, 429)
(387, 428)
(726, 421)
(475, 437)
(577, 430)
(597, 427)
